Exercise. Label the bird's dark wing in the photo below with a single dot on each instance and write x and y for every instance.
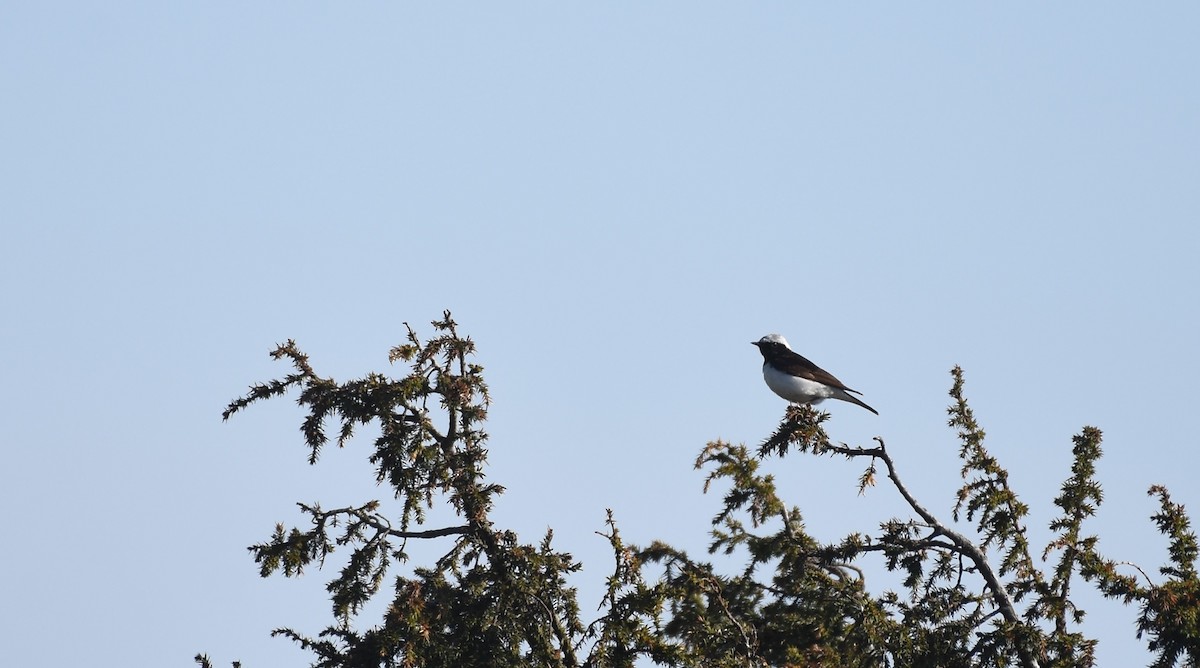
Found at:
(796, 364)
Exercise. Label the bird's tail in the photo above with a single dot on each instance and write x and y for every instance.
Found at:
(855, 400)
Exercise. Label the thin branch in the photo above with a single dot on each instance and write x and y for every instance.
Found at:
(432, 533)
(746, 640)
(564, 638)
(1138, 569)
(841, 565)
(961, 544)
(427, 424)
(380, 524)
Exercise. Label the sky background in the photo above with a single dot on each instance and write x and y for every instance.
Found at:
(614, 200)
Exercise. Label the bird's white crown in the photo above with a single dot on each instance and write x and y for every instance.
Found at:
(775, 338)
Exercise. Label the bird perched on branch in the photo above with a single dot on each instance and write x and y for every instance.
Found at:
(793, 377)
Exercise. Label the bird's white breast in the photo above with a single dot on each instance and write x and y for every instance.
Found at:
(792, 388)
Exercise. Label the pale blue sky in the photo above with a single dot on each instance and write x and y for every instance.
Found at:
(614, 199)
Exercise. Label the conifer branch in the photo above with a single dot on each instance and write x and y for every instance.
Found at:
(380, 523)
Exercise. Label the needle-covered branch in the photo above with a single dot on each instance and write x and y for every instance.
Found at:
(1170, 610)
(898, 540)
(509, 598)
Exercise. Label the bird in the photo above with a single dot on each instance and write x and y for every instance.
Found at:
(793, 377)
